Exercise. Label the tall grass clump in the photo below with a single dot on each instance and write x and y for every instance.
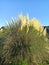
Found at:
(26, 40)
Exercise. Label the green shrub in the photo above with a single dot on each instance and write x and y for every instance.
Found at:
(25, 41)
(24, 62)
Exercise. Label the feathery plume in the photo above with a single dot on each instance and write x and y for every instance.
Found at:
(44, 32)
(1, 30)
(7, 23)
(12, 20)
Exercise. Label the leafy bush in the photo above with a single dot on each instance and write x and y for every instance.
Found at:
(24, 62)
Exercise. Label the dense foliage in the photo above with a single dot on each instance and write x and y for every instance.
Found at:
(24, 42)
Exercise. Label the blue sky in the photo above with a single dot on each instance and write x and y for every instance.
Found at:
(35, 8)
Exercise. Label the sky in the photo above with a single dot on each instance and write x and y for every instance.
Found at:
(34, 8)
